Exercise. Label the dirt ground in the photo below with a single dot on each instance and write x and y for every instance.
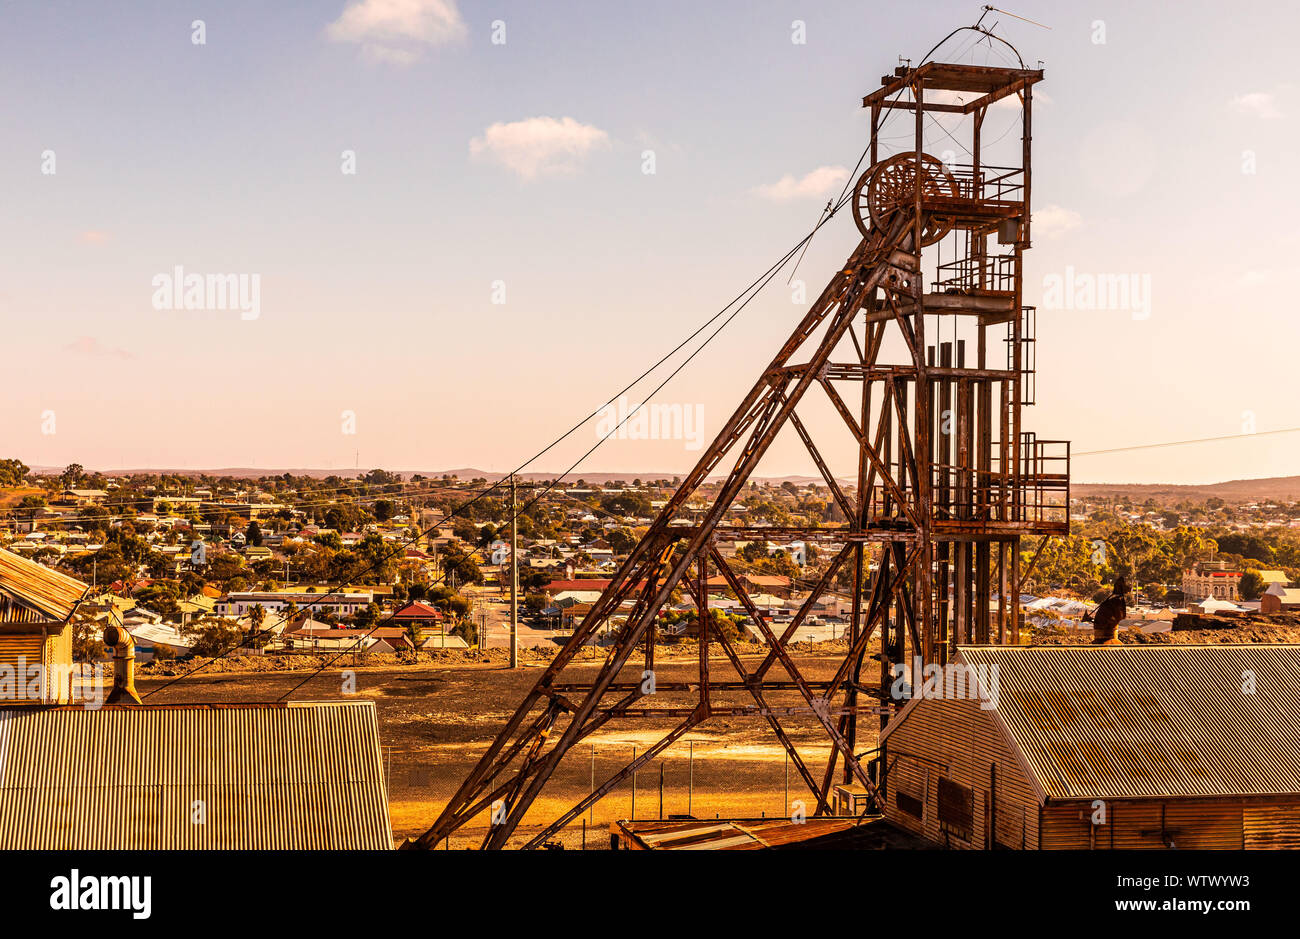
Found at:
(438, 714)
(436, 718)
(1193, 628)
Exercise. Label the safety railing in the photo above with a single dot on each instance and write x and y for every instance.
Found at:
(991, 272)
(988, 184)
(1037, 495)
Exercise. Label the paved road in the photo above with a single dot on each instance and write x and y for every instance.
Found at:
(494, 604)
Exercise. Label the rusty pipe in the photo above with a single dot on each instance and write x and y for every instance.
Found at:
(123, 646)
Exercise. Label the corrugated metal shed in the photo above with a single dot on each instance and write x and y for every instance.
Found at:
(268, 776)
(1148, 721)
(35, 586)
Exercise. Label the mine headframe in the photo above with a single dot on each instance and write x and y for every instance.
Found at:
(944, 484)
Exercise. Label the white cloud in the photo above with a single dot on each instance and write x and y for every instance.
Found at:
(1053, 220)
(820, 182)
(539, 146)
(1257, 104)
(389, 54)
(397, 31)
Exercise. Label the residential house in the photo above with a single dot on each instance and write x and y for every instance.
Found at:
(84, 496)
(419, 615)
(36, 608)
(1279, 598)
(774, 584)
(337, 603)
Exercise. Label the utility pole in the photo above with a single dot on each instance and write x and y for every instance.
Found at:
(514, 575)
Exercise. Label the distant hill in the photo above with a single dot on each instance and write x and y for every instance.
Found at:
(1274, 488)
(246, 472)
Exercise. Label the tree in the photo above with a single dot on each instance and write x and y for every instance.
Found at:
(161, 597)
(1247, 545)
(466, 630)
(72, 475)
(1071, 562)
(225, 569)
(87, 640)
(330, 539)
(460, 565)
(779, 564)
(215, 637)
(256, 617)
(367, 617)
(636, 504)
(1251, 586)
(621, 540)
(13, 472)
(253, 534)
(378, 477)
(345, 516)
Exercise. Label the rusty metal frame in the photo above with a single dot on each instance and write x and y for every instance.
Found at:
(926, 507)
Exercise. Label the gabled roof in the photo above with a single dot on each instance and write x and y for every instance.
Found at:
(417, 611)
(767, 580)
(1146, 721)
(55, 595)
(593, 583)
(272, 777)
(1286, 595)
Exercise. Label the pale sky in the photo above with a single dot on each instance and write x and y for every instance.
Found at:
(1165, 151)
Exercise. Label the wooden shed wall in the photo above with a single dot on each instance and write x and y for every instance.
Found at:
(1192, 824)
(957, 740)
(1271, 826)
(51, 649)
(960, 742)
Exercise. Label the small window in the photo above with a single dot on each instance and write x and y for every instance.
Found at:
(909, 804)
(956, 809)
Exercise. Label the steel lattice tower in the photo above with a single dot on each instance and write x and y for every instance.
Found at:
(946, 482)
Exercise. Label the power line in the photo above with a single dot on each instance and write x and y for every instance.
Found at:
(753, 290)
(1181, 443)
(747, 295)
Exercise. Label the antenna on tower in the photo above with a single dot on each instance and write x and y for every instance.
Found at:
(989, 9)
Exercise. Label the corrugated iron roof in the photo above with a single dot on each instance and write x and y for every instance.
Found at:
(53, 594)
(1147, 721)
(276, 776)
